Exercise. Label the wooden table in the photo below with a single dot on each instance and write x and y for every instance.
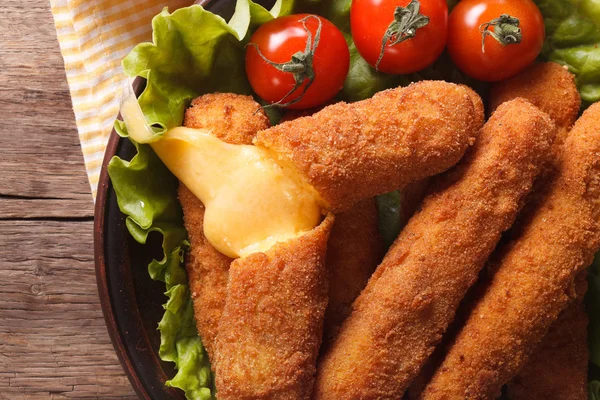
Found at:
(53, 341)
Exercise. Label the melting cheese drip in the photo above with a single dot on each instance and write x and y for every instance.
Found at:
(251, 200)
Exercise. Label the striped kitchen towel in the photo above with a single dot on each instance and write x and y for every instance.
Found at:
(94, 36)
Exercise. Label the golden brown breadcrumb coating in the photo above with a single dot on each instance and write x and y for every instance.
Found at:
(207, 271)
(354, 250)
(534, 275)
(350, 152)
(231, 118)
(413, 295)
(550, 87)
(272, 325)
(479, 115)
(558, 369)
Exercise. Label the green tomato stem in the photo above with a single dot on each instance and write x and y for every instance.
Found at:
(506, 31)
(407, 20)
(300, 65)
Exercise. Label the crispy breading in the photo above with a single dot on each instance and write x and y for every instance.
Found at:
(550, 87)
(350, 152)
(479, 116)
(231, 118)
(272, 325)
(558, 368)
(207, 271)
(354, 250)
(413, 295)
(533, 282)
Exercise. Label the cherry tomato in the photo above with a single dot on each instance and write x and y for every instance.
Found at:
(399, 52)
(472, 21)
(290, 62)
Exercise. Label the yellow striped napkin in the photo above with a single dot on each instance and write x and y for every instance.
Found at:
(94, 36)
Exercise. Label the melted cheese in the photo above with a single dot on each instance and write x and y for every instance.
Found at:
(251, 200)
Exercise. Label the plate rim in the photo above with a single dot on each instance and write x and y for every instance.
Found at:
(118, 342)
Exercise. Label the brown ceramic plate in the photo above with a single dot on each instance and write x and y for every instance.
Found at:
(131, 301)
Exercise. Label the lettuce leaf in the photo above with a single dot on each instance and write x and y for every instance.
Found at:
(573, 30)
(194, 52)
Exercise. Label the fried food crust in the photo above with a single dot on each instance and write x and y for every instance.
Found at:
(207, 271)
(550, 87)
(350, 152)
(558, 369)
(411, 298)
(534, 275)
(233, 119)
(272, 325)
(354, 250)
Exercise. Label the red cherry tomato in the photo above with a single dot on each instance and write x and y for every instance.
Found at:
(469, 21)
(370, 20)
(319, 66)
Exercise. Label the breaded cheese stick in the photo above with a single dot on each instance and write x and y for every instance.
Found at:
(558, 368)
(410, 300)
(272, 325)
(231, 118)
(350, 152)
(550, 87)
(413, 194)
(534, 274)
(354, 250)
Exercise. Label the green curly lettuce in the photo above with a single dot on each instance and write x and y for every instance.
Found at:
(573, 31)
(194, 52)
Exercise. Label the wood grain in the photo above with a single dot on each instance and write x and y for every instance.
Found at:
(53, 341)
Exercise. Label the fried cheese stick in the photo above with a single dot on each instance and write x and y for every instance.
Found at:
(410, 300)
(558, 369)
(354, 250)
(551, 88)
(534, 275)
(233, 119)
(350, 152)
(272, 324)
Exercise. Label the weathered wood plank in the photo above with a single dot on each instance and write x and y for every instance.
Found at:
(41, 157)
(53, 341)
(28, 208)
